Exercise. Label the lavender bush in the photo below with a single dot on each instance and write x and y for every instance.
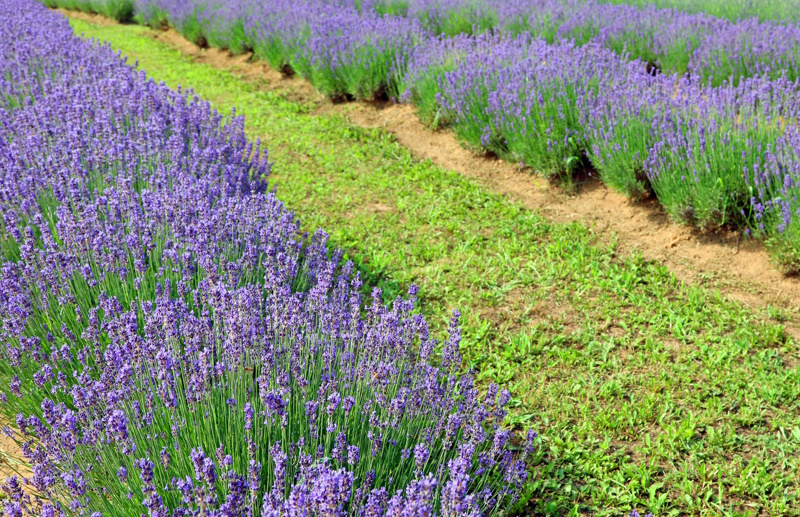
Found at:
(714, 49)
(173, 345)
(517, 97)
(695, 147)
(344, 53)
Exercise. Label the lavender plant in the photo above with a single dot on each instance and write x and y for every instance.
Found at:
(344, 53)
(512, 96)
(691, 145)
(355, 55)
(714, 49)
(173, 346)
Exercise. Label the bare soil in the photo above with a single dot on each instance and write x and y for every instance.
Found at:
(739, 268)
(10, 458)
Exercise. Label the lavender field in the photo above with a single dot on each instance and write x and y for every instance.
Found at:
(692, 110)
(174, 342)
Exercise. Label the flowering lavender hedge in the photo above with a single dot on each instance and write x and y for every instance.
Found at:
(711, 155)
(172, 345)
(343, 52)
(714, 49)
(358, 37)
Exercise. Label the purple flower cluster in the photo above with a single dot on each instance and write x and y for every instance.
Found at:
(344, 52)
(715, 49)
(173, 345)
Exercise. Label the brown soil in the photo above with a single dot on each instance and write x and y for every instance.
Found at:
(10, 458)
(739, 269)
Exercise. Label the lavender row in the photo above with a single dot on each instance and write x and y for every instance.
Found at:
(713, 49)
(711, 155)
(174, 345)
(344, 52)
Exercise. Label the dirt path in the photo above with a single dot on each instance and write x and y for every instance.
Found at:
(724, 260)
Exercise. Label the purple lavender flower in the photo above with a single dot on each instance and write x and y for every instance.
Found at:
(189, 291)
(421, 455)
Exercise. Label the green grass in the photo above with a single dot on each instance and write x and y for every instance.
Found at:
(648, 393)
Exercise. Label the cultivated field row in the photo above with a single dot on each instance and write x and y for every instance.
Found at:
(173, 344)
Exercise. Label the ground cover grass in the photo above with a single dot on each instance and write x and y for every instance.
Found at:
(648, 393)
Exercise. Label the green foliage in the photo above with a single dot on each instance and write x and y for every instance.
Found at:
(620, 161)
(391, 7)
(785, 250)
(234, 39)
(365, 77)
(467, 20)
(120, 10)
(192, 30)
